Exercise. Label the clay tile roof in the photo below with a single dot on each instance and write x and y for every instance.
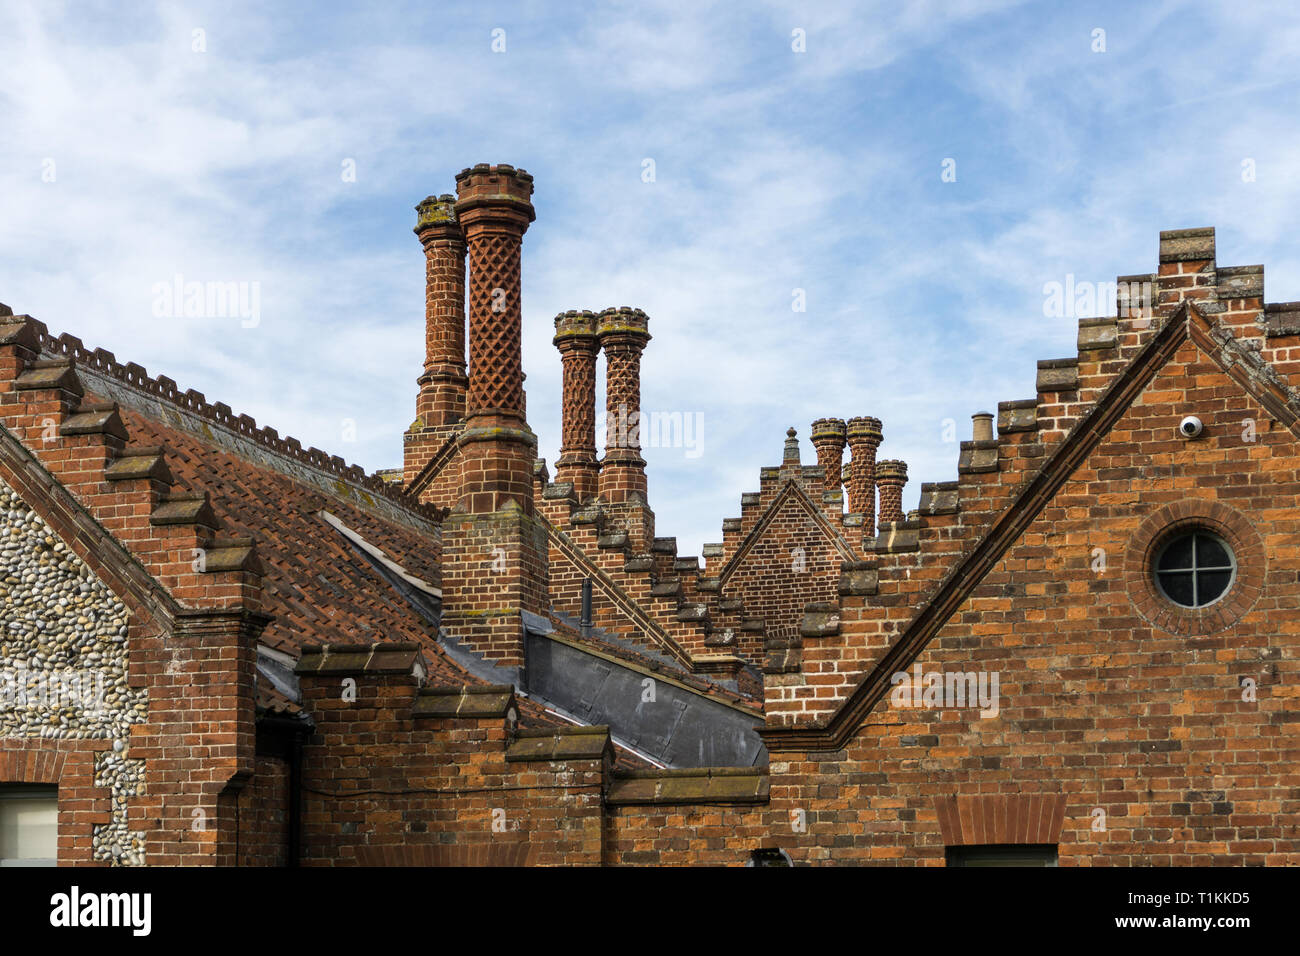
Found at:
(271, 701)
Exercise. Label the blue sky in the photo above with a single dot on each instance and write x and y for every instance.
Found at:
(127, 157)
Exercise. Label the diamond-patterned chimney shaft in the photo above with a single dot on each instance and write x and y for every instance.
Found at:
(864, 438)
(623, 335)
(575, 337)
(891, 476)
(828, 438)
(494, 208)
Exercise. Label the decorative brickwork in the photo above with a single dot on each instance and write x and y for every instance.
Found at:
(440, 406)
(864, 437)
(497, 447)
(623, 334)
(443, 384)
(575, 337)
(891, 476)
(829, 438)
(791, 560)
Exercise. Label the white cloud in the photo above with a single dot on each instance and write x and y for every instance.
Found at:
(775, 171)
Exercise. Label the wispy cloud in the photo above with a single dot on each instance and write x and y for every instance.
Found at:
(775, 171)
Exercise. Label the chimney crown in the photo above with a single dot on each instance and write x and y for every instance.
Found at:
(435, 211)
(890, 471)
(624, 321)
(499, 186)
(575, 324)
(864, 429)
(828, 430)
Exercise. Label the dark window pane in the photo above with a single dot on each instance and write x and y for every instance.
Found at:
(1178, 587)
(1210, 585)
(1177, 555)
(1210, 553)
(1027, 855)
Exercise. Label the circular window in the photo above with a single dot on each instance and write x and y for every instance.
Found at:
(1195, 569)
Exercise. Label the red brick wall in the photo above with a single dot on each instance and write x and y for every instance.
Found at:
(494, 565)
(379, 782)
(264, 815)
(685, 835)
(1143, 724)
(791, 564)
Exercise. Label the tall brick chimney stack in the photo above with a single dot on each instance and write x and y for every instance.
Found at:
(442, 386)
(440, 405)
(891, 476)
(828, 437)
(623, 334)
(495, 561)
(864, 436)
(575, 337)
(497, 447)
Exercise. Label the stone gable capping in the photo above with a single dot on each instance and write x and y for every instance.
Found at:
(939, 498)
(858, 579)
(1282, 318)
(1187, 245)
(978, 457)
(196, 414)
(185, 509)
(1018, 416)
(1240, 282)
(489, 701)
(50, 373)
(231, 554)
(564, 743)
(395, 659)
(559, 491)
(1058, 375)
(783, 654)
(702, 785)
(1098, 334)
(820, 619)
(896, 537)
(95, 419)
(140, 462)
(723, 665)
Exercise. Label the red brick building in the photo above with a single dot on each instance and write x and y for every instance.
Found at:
(220, 647)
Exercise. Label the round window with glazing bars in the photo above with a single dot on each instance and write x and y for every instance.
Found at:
(1195, 569)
